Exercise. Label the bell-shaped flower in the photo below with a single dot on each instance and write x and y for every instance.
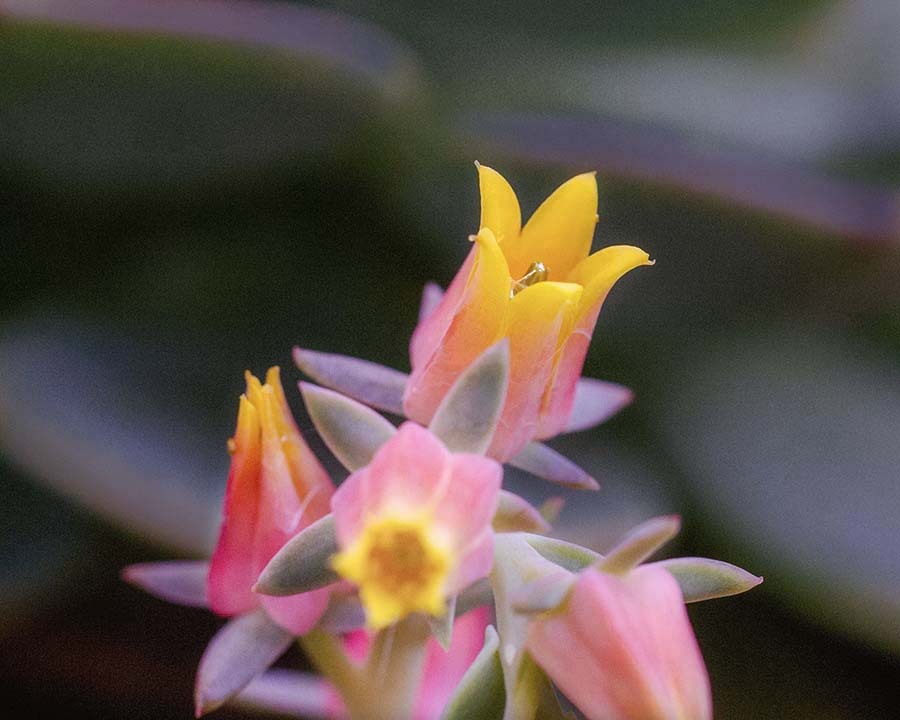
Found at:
(276, 487)
(414, 526)
(536, 285)
(621, 647)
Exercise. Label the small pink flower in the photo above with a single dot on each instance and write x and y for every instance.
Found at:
(622, 648)
(276, 487)
(414, 526)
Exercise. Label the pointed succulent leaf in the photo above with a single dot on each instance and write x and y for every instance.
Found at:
(476, 595)
(288, 693)
(516, 514)
(243, 649)
(543, 594)
(640, 543)
(467, 416)
(568, 556)
(705, 579)
(368, 382)
(539, 459)
(551, 508)
(344, 614)
(182, 582)
(431, 296)
(596, 402)
(480, 693)
(352, 431)
(302, 564)
(442, 627)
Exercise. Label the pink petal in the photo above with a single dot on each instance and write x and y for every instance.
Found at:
(468, 508)
(624, 649)
(297, 613)
(232, 571)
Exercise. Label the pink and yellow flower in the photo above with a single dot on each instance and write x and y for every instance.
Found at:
(276, 487)
(414, 526)
(536, 285)
(622, 648)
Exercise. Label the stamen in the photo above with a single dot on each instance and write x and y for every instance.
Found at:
(537, 272)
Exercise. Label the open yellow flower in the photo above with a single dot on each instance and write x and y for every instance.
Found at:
(536, 285)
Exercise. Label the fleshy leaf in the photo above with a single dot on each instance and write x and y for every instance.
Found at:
(541, 460)
(705, 579)
(370, 383)
(569, 556)
(515, 514)
(467, 416)
(345, 613)
(302, 564)
(480, 693)
(640, 543)
(596, 402)
(243, 649)
(352, 431)
(442, 627)
(551, 508)
(431, 297)
(290, 693)
(476, 595)
(182, 582)
(544, 594)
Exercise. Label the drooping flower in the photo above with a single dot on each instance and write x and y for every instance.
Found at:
(622, 648)
(414, 526)
(276, 487)
(536, 285)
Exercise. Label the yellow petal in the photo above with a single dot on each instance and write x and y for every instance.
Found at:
(599, 272)
(560, 232)
(499, 205)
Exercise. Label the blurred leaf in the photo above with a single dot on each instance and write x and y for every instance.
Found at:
(547, 464)
(288, 692)
(789, 437)
(480, 693)
(640, 543)
(705, 579)
(515, 514)
(596, 401)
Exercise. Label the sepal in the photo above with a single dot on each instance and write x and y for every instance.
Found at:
(515, 514)
(544, 462)
(302, 564)
(596, 401)
(640, 543)
(182, 582)
(352, 431)
(243, 649)
(467, 417)
(480, 693)
(706, 579)
(365, 381)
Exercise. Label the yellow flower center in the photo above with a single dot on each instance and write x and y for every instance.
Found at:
(400, 568)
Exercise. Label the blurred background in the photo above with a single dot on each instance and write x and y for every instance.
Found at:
(188, 189)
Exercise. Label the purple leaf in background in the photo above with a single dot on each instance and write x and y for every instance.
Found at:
(596, 401)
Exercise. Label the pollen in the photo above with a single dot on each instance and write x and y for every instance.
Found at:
(400, 568)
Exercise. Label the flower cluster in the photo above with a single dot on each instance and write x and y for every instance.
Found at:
(419, 588)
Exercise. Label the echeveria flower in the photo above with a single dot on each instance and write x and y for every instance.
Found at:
(536, 285)
(414, 526)
(622, 648)
(276, 487)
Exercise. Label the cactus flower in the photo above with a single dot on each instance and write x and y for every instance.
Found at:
(414, 526)
(622, 648)
(276, 487)
(536, 285)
